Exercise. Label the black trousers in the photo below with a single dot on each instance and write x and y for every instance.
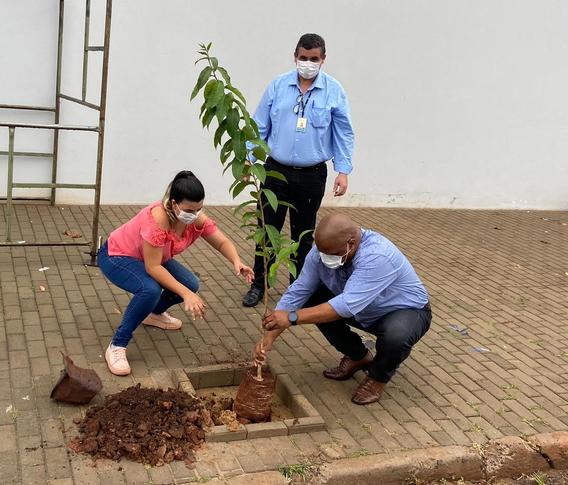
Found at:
(396, 334)
(304, 190)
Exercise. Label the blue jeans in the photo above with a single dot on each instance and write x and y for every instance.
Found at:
(149, 297)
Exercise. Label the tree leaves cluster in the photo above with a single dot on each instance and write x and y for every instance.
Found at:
(237, 135)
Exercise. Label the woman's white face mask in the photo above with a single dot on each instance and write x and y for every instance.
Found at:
(334, 261)
(187, 217)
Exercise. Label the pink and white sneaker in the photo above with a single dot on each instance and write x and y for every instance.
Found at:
(117, 361)
(163, 320)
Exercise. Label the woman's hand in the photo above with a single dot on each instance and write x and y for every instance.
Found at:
(194, 305)
(245, 271)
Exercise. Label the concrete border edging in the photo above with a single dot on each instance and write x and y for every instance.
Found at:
(426, 464)
(306, 417)
(507, 457)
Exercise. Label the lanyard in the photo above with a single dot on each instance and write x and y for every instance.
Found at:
(304, 104)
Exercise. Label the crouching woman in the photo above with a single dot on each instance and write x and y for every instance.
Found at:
(138, 257)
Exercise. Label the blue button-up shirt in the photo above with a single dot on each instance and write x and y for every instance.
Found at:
(328, 134)
(378, 280)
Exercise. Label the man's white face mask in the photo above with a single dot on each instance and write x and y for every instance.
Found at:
(308, 69)
(333, 261)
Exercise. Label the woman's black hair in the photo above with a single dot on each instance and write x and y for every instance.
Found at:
(186, 186)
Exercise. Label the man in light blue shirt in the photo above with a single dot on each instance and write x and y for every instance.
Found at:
(355, 277)
(304, 117)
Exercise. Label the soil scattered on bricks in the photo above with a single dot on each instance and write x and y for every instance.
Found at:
(151, 426)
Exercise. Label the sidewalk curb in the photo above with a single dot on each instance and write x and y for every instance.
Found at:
(506, 457)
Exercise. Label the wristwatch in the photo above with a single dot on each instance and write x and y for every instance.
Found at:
(293, 317)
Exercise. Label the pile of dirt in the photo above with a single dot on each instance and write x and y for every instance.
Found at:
(151, 426)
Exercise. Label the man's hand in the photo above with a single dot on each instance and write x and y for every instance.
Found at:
(263, 346)
(340, 185)
(277, 320)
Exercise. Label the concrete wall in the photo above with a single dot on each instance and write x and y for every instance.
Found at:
(456, 103)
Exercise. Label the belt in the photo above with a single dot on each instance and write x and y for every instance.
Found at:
(427, 307)
(310, 167)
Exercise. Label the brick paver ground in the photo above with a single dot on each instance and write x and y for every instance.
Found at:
(503, 275)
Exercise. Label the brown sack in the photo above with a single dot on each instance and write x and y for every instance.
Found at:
(254, 397)
(76, 385)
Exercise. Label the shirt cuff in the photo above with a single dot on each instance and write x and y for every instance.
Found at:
(342, 167)
(287, 307)
(340, 307)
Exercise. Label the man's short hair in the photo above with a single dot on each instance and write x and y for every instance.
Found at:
(311, 41)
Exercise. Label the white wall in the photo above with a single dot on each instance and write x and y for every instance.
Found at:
(456, 103)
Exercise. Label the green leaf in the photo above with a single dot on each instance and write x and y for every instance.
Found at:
(273, 236)
(247, 216)
(258, 170)
(271, 198)
(244, 204)
(242, 185)
(273, 274)
(248, 132)
(214, 62)
(233, 119)
(238, 167)
(237, 93)
(286, 204)
(201, 80)
(292, 268)
(225, 75)
(226, 150)
(307, 231)
(259, 153)
(258, 235)
(213, 92)
(223, 107)
(254, 127)
(219, 133)
(261, 143)
(240, 148)
(208, 116)
(276, 175)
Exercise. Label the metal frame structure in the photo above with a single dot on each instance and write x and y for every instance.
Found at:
(57, 127)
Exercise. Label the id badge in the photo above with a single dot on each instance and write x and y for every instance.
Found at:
(301, 124)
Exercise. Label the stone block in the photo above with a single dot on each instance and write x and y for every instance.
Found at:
(266, 430)
(305, 425)
(222, 433)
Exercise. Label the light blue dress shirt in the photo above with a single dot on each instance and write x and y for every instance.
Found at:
(378, 280)
(328, 134)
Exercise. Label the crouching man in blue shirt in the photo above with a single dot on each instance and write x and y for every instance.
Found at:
(355, 277)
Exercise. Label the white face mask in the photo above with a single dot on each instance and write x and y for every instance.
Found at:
(308, 69)
(188, 217)
(333, 261)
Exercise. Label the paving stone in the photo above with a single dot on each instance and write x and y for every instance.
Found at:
(495, 282)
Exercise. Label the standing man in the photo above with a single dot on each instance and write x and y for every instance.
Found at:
(355, 278)
(304, 117)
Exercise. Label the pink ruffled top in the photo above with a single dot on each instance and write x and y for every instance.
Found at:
(128, 239)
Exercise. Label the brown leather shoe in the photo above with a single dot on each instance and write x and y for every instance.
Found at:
(348, 367)
(368, 391)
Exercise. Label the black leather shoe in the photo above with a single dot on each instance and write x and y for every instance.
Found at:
(253, 296)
